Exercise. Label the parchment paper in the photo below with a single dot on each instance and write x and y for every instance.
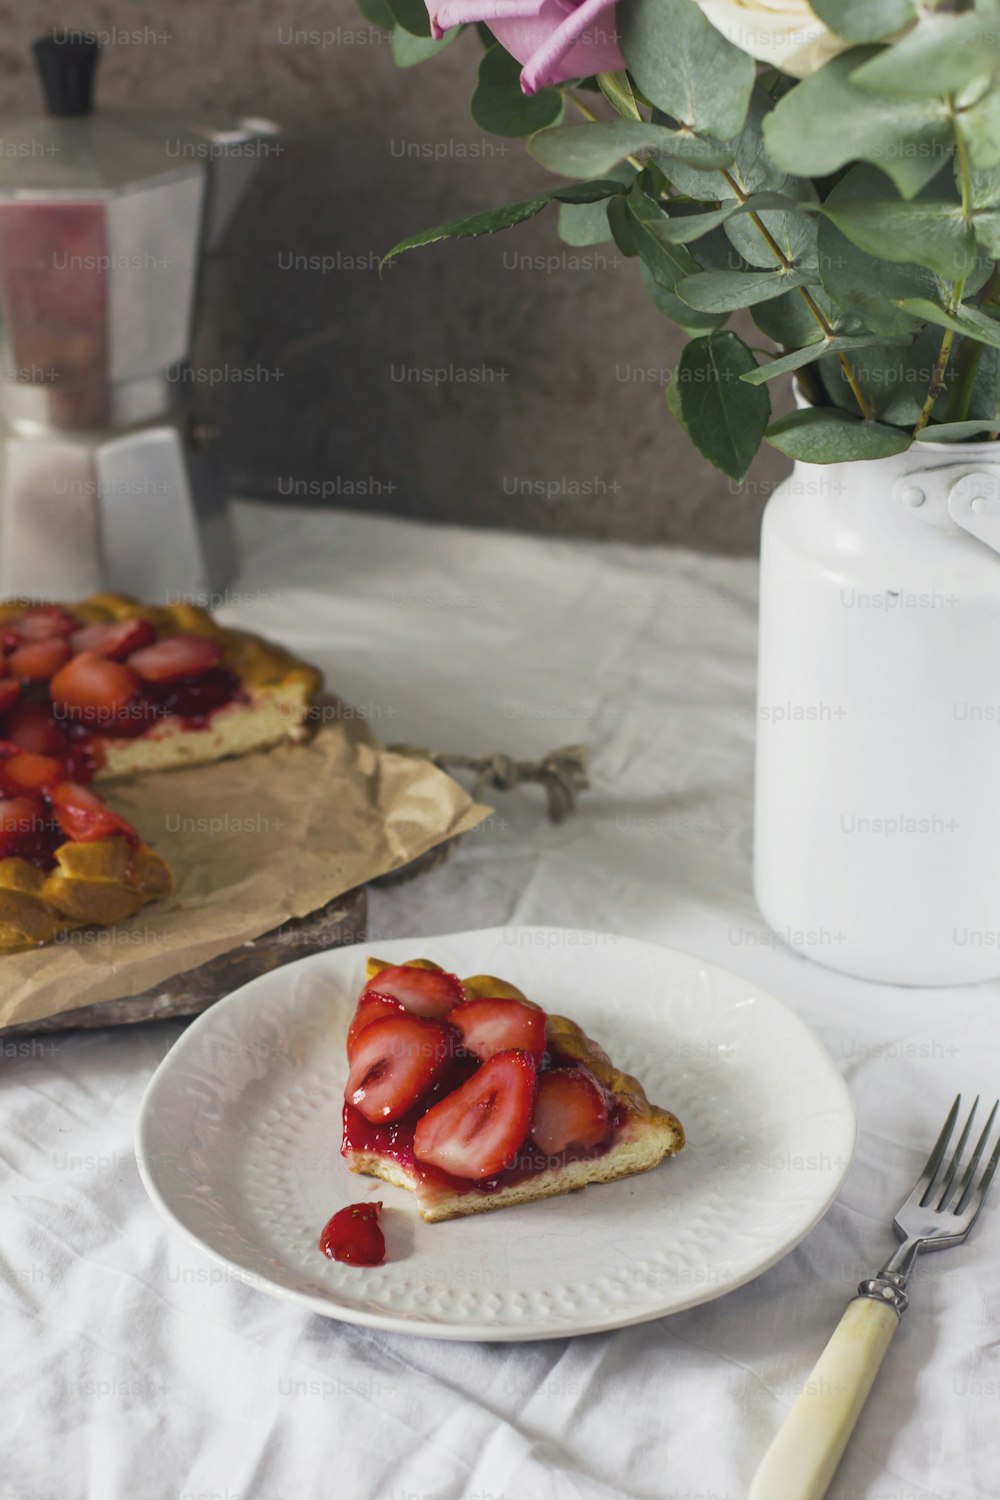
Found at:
(251, 841)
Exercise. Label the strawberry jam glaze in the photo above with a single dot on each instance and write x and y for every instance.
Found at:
(353, 1236)
(193, 701)
(395, 1140)
(38, 846)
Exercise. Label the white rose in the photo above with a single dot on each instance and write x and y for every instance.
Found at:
(785, 33)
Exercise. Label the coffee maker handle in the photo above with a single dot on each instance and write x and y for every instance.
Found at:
(233, 163)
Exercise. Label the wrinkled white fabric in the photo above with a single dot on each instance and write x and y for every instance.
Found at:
(133, 1368)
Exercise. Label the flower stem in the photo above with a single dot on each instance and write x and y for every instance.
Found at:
(940, 370)
(966, 365)
(585, 110)
(937, 382)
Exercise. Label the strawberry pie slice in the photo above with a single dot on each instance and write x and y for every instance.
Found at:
(471, 1096)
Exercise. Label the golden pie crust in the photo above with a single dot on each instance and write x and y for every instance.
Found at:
(94, 883)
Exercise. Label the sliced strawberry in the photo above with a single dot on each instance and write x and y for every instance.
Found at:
(396, 1060)
(83, 817)
(174, 657)
(10, 691)
(42, 622)
(478, 1129)
(371, 1007)
(116, 640)
(424, 992)
(38, 660)
(93, 689)
(490, 1026)
(32, 726)
(23, 771)
(571, 1110)
(22, 820)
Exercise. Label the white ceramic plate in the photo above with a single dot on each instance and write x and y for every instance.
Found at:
(238, 1145)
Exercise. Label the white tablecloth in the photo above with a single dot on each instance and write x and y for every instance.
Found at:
(132, 1368)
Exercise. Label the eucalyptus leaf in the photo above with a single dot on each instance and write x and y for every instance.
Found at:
(811, 352)
(378, 12)
(409, 50)
(672, 395)
(922, 233)
(685, 66)
(820, 435)
(620, 224)
(952, 432)
(589, 150)
(984, 186)
(754, 170)
(791, 230)
(672, 307)
(984, 398)
(986, 227)
(751, 171)
(412, 16)
(498, 104)
(865, 20)
(788, 320)
(980, 127)
(495, 220)
(587, 223)
(617, 89)
(941, 55)
(685, 228)
(586, 192)
(866, 286)
(726, 291)
(893, 377)
(714, 252)
(725, 418)
(827, 121)
(968, 321)
(682, 228)
(668, 262)
(584, 224)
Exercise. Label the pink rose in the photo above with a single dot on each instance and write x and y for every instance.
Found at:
(554, 39)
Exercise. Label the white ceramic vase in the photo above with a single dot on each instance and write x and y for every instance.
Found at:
(877, 835)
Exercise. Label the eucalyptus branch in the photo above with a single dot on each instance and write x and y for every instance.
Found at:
(937, 381)
(864, 405)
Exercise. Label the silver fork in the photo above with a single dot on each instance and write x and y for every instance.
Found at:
(940, 1212)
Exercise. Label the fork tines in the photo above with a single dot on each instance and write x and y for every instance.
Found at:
(966, 1199)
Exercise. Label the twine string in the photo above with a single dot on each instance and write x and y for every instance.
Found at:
(562, 774)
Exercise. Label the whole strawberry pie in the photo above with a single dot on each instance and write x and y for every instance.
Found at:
(109, 687)
(470, 1095)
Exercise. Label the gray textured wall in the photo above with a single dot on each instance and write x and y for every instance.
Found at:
(543, 409)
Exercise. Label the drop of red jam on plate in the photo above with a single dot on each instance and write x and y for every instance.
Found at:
(353, 1236)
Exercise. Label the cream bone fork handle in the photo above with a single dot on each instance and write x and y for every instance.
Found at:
(940, 1211)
